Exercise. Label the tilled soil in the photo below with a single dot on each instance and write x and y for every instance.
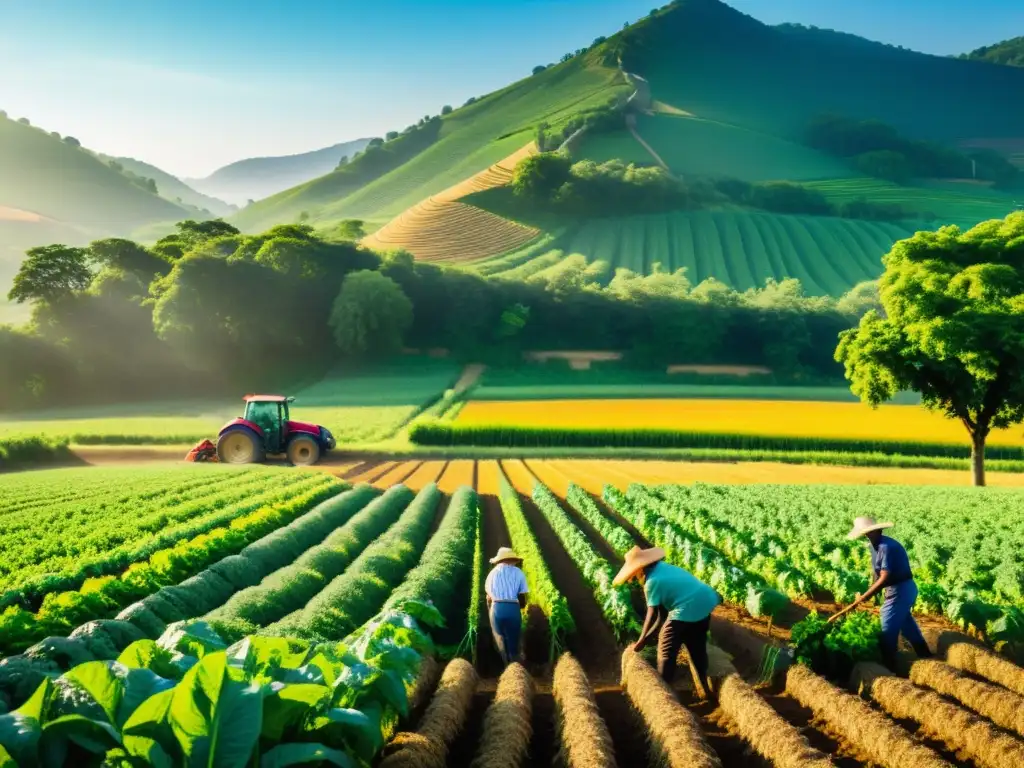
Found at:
(495, 535)
(460, 755)
(627, 729)
(843, 755)
(544, 744)
(730, 748)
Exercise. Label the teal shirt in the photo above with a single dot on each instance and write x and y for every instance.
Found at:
(683, 595)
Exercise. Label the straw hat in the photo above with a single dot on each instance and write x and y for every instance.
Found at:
(636, 559)
(864, 525)
(504, 554)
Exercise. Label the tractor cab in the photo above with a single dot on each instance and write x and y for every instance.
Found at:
(266, 427)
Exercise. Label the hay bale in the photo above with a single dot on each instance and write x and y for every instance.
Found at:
(507, 727)
(982, 662)
(425, 683)
(583, 735)
(963, 731)
(769, 733)
(1004, 708)
(673, 729)
(441, 723)
(874, 734)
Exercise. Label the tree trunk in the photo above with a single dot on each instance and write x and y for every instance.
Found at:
(978, 458)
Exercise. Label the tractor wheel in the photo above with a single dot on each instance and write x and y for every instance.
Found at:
(239, 445)
(303, 450)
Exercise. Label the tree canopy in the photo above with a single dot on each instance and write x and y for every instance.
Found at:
(951, 327)
(370, 315)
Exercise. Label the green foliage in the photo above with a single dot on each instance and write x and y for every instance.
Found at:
(542, 590)
(370, 315)
(733, 583)
(952, 328)
(1008, 52)
(353, 597)
(426, 432)
(834, 649)
(597, 572)
(100, 598)
(615, 535)
(128, 517)
(50, 274)
(16, 451)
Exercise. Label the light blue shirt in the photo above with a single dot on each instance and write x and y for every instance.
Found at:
(505, 582)
(683, 595)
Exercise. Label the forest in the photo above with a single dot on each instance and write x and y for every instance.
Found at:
(208, 309)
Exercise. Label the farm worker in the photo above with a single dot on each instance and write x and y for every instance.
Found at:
(891, 568)
(678, 602)
(506, 598)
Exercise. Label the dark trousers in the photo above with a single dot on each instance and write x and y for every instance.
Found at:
(506, 625)
(674, 635)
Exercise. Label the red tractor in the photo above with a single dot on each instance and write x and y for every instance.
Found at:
(267, 428)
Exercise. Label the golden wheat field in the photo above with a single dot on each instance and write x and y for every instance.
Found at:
(779, 418)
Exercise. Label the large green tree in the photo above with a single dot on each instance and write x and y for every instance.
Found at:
(51, 273)
(952, 329)
(370, 315)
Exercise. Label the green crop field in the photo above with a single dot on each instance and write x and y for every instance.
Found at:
(742, 249)
(965, 207)
(691, 145)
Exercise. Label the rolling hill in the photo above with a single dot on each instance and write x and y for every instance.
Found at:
(174, 189)
(716, 94)
(260, 177)
(1008, 52)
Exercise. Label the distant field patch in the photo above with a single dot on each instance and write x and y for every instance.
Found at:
(777, 418)
(739, 248)
(964, 207)
(692, 145)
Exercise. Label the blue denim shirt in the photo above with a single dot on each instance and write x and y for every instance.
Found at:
(892, 557)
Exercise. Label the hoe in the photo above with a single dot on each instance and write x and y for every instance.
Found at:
(266, 428)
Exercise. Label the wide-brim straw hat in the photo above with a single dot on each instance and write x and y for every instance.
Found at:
(637, 559)
(504, 555)
(864, 525)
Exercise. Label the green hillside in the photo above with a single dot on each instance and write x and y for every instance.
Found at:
(446, 150)
(43, 174)
(1008, 52)
(705, 58)
(743, 249)
(174, 189)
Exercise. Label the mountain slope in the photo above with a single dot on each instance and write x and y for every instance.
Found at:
(712, 61)
(260, 177)
(447, 149)
(1009, 52)
(172, 188)
(57, 180)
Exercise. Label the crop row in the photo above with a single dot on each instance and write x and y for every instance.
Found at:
(442, 433)
(58, 550)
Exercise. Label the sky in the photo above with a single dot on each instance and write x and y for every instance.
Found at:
(191, 85)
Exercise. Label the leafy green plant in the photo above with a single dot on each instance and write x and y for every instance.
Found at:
(833, 649)
(543, 591)
(103, 597)
(614, 601)
(615, 535)
(357, 594)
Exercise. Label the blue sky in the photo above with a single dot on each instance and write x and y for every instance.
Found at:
(190, 85)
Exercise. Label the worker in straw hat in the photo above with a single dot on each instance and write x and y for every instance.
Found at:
(891, 568)
(678, 604)
(506, 598)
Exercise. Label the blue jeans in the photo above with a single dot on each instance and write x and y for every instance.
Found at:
(897, 619)
(506, 625)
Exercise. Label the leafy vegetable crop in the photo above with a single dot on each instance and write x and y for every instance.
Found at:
(833, 649)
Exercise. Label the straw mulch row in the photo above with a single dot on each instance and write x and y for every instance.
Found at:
(985, 663)
(441, 723)
(871, 732)
(760, 725)
(674, 731)
(1002, 707)
(507, 729)
(583, 735)
(970, 736)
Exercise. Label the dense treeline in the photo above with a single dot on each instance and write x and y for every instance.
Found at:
(551, 181)
(879, 150)
(210, 309)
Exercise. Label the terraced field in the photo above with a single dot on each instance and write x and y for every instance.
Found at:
(441, 228)
(739, 248)
(393, 567)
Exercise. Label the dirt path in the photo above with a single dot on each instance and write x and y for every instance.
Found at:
(627, 728)
(495, 535)
(803, 719)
